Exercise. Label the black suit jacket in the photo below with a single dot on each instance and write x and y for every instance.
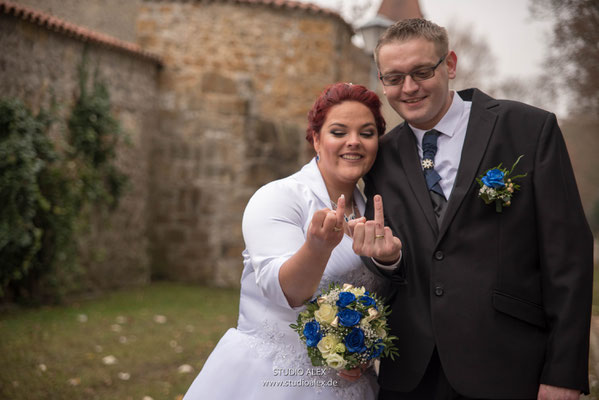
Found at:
(505, 297)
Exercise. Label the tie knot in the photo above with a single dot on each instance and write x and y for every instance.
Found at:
(429, 144)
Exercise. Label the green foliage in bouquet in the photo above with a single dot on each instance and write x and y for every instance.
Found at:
(345, 327)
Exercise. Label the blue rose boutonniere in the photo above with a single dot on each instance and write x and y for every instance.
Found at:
(497, 185)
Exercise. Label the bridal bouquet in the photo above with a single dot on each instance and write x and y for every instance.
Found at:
(345, 327)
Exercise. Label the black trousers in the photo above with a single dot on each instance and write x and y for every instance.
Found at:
(433, 386)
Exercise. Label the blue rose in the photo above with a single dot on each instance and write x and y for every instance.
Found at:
(377, 349)
(312, 333)
(354, 341)
(494, 179)
(345, 299)
(349, 317)
(367, 301)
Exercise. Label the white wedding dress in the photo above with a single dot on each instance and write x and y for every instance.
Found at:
(264, 358)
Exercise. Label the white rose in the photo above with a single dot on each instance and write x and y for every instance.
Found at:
(327, 345)
(326, 313)
(335, 361)
(372, 314)
(357, 291)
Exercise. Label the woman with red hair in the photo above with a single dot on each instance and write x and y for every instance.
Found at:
(297, 242)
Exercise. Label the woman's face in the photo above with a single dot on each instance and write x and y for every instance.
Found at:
(347, 143)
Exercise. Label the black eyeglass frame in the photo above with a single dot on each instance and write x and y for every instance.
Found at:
(411, 74)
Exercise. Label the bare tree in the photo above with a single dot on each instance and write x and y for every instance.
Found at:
(476, 62)
(573, 56)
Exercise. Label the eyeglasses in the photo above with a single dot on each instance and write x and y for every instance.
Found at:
(418, 75)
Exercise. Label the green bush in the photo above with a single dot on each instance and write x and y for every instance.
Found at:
(24, 152)
(44, 192)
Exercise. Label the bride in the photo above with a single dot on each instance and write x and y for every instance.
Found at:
(297, 242)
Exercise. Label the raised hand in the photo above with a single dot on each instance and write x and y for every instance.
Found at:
(327, 227)
(374, 239)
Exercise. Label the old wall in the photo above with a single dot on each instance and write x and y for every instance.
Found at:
(238, 81)
(41, 62)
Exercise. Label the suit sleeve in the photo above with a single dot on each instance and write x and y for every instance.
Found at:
(566, 259)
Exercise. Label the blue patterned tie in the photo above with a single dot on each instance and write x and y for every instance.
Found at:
(429, 149)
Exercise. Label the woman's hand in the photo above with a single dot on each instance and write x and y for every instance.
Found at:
(326, 228)
(352, 375)
(300, 275)
(374, 239)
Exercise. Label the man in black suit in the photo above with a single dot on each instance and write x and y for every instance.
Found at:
(490, 301)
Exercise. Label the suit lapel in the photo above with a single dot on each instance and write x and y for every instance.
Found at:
(407, 147)
(480, 127)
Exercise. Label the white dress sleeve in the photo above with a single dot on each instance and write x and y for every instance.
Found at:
(273, 231)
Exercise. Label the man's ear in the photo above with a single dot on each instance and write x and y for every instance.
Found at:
(452, 62)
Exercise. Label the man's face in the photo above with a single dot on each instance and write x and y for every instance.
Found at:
(422, 103)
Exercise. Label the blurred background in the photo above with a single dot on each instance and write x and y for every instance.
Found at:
(133, 134)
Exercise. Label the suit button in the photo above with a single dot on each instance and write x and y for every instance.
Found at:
(439, 291)
(439, 255)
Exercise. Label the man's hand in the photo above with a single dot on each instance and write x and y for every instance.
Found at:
(374, 239)
(547, 392)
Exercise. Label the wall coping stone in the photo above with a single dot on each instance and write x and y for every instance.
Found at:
(281, 4)
(77, 32)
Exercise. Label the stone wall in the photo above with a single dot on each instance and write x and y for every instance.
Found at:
(225, 115)
(42, 63)
(238, 81)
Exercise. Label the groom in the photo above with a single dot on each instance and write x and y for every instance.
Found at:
(491, 301)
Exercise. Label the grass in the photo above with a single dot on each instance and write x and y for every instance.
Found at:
(57, 353)
(71, 342)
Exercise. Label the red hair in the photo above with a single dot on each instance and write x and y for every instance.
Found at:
(338, 93)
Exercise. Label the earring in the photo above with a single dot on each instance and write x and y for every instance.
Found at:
(317, 157)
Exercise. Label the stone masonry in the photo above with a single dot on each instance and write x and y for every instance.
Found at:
(38, 63)
(238, 81)
(225, 115)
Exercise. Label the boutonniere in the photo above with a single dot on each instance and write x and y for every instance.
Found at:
(497, 185)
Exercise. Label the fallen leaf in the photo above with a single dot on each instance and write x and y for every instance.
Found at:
(160, 319)
(124, 376)
(74, 381)
(109, 360)
(185, 369)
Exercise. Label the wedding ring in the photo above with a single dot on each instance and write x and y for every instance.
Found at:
(379, 236)
(336, 229)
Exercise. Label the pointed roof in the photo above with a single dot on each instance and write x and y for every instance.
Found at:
(400, 9)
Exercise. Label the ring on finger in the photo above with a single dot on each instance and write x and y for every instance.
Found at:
(379, 236)
(336, 229)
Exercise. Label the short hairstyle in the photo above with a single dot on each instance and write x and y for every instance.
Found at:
(338, 93)
(412, 28)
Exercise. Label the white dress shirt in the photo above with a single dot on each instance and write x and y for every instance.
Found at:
(453, 127)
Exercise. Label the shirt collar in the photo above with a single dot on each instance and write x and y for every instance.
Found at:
(449, 122)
